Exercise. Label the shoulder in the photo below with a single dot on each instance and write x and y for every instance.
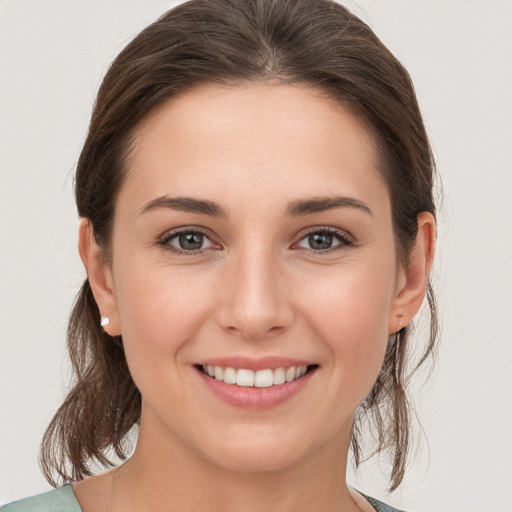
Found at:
(379, 506)
(64, 500)
(58, 500)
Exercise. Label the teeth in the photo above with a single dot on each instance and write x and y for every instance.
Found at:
(290, 374)
(279, 376)
(245, 378)
(259, 379)
(263, 378)
(230, 376)
(219, 373)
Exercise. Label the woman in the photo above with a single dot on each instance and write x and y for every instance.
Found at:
(257, 226)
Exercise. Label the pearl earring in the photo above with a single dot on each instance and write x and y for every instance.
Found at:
(105, 320)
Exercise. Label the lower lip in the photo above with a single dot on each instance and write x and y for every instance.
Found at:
(252, 397)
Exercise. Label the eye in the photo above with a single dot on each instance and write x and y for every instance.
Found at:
(325, 240)
(187, 241)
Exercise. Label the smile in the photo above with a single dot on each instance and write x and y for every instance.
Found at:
(255, 383)
(264, 378)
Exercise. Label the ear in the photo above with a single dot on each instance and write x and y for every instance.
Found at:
(412, 281)
(99, 275)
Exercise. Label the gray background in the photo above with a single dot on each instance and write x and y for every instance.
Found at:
(459, 53)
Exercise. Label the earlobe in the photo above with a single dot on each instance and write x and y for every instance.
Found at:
(414, 280)
(100, 277)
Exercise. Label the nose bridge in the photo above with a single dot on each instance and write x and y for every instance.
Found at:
(255, 303)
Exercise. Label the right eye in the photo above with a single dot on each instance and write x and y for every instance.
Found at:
(187, 241)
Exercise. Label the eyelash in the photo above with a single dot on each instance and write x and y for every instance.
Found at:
(164, 242)
(343, 238)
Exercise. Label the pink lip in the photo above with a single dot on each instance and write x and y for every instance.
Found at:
(263, 363)
(252, 397)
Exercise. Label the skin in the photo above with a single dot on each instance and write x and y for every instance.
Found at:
(257, 288)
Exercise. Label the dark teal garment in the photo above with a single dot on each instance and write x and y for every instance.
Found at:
(63, 500)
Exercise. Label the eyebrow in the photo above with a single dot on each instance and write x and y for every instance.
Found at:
(186, 204)
(322, 204)
(298, 208)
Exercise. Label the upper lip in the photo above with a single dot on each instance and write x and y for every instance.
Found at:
(251, 363)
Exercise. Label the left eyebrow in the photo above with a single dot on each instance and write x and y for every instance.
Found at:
(321, 204)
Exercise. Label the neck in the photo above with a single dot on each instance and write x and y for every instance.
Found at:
(166, 475)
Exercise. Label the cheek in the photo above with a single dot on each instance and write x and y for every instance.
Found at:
(160, 310)
(351, 317)
(161, 313)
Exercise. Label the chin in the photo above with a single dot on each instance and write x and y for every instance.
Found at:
(260, 458)
(263, 449)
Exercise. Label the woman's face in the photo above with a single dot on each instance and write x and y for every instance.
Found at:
(253, 235)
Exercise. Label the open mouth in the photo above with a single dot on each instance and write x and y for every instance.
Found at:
(260, 378)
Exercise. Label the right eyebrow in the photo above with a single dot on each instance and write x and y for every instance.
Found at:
(185, 204)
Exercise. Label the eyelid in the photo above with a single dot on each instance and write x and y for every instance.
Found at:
(164, 239)
(346, 240)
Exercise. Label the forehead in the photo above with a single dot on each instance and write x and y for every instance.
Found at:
(252, 139)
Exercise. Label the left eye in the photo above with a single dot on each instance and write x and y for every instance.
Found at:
(322, 241)
(188, 241)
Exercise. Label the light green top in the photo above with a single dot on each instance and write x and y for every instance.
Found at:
(63, 500)
(58, 500)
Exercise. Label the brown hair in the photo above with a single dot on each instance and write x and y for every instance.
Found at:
(313, 42)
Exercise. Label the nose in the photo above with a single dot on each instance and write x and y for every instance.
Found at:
(255, 301)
